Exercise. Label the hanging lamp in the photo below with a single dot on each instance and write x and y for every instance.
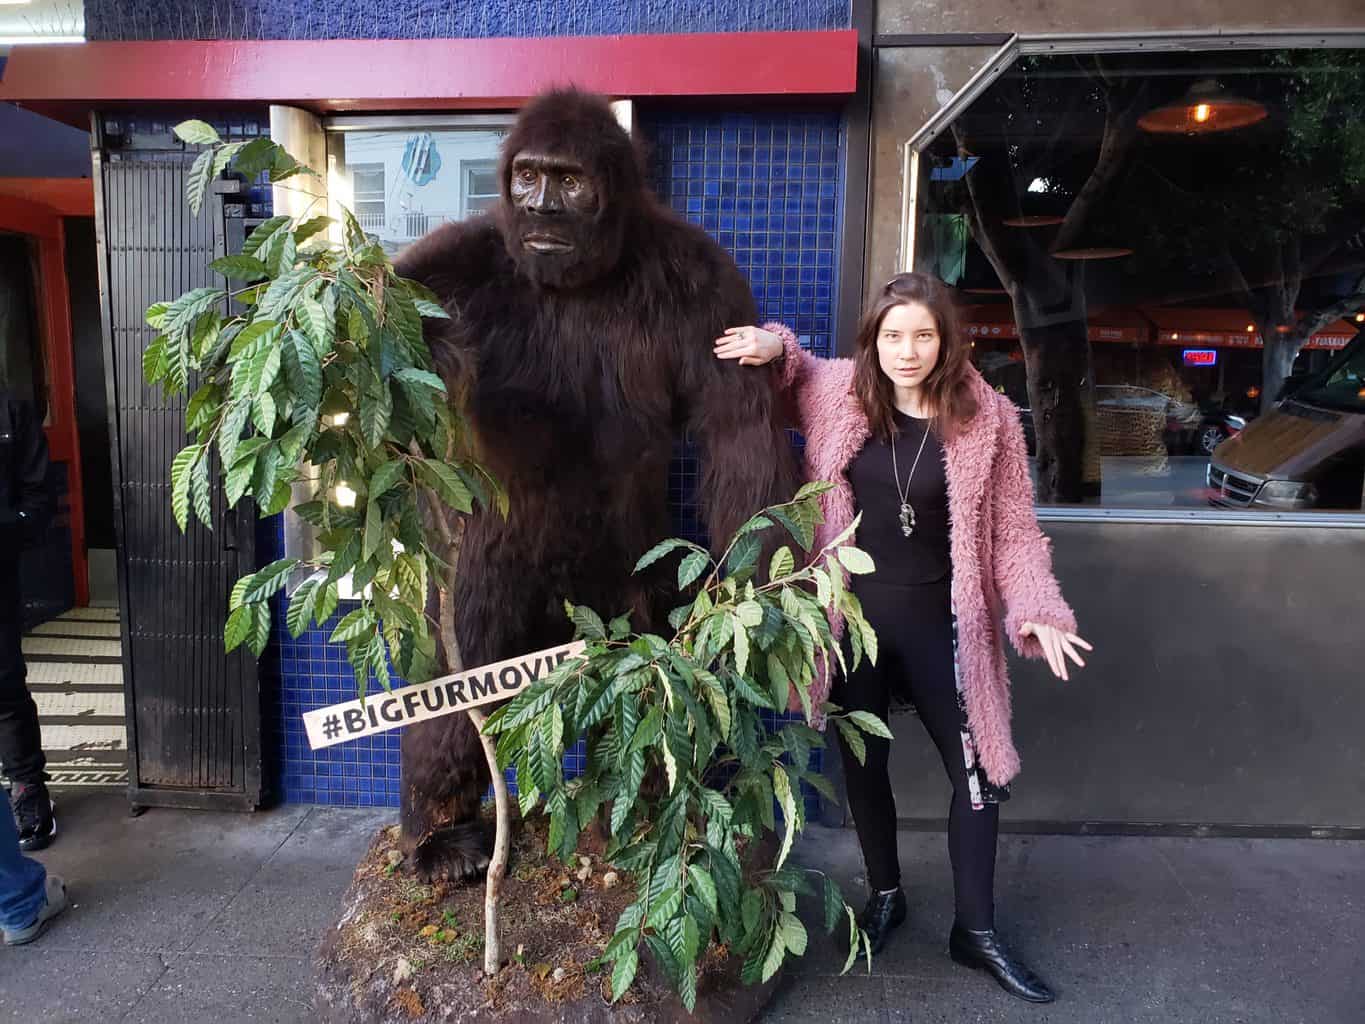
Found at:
(1206, 108)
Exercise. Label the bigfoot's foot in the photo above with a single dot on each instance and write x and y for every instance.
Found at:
(456, 853)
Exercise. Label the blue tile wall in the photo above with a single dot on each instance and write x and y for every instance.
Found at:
(767, 186)
(426, 19)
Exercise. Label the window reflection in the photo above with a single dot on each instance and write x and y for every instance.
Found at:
(1161, 260)
(402, 183)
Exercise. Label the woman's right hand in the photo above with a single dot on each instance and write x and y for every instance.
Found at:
(752, 346)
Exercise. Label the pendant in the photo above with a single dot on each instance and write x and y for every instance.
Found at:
(907, 518)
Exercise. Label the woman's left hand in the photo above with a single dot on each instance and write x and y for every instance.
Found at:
(1057, 646)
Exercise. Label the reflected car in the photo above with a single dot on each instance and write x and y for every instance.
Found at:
(1189, 429)
(1307, 452)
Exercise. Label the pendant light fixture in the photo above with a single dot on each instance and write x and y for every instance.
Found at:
(1206, 108)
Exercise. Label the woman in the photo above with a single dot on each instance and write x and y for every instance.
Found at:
(934, 460)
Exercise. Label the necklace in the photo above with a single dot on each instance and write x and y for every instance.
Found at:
(907, 513)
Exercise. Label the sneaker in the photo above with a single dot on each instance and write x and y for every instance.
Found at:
(52, 906)
(33, 815)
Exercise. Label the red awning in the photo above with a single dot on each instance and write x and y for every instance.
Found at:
(66, 82)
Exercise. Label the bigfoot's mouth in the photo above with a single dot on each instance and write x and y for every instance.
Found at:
(542, 242)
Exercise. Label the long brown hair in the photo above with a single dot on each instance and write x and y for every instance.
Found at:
(947, 389)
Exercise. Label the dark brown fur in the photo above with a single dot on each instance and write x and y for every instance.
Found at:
(576, 394)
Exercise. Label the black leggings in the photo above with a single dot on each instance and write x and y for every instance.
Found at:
(914, 627)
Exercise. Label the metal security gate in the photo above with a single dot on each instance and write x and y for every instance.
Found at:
(194, 712)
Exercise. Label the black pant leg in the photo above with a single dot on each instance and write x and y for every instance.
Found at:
(868, 785)
(972, 833)
(21, 750)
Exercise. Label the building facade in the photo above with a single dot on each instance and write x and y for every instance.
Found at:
(1154, 229)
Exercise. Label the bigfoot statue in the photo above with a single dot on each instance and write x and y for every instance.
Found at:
(582, 318)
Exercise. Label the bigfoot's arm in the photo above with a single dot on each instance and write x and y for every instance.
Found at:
(735, 412)
(452, 261)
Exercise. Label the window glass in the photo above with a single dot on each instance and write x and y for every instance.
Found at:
(400, 183)
(1160, 258)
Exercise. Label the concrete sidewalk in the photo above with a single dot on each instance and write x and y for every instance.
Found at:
(190, 916)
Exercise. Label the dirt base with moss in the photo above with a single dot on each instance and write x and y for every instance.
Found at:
(402, 951)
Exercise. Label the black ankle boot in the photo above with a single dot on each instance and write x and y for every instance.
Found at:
(984, 951)
(884, 911)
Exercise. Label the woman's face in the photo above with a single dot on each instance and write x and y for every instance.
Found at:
(908, 344)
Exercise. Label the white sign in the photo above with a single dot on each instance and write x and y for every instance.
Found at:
(434, 698)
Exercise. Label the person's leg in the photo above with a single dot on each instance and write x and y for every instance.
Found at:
(868, 783)
(972, 830)
(973, 825)
(21, 746)
(21, 750)
(22, 879)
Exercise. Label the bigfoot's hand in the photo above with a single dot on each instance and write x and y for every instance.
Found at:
(752, 346)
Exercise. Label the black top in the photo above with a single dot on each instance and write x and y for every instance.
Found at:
(924, 556)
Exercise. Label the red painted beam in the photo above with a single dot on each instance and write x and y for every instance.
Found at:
(428, 74)
(71, 197)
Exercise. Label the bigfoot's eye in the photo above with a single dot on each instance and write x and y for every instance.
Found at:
(570, 182)
(526, 176)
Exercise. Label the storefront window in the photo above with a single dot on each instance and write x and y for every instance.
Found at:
(1160, 258)
(403, 180)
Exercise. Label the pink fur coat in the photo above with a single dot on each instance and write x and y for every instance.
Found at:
(1002, 562)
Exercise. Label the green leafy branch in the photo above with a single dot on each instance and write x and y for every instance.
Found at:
(681, 769)
(309, 365)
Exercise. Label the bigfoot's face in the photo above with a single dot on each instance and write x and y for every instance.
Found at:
(555, 204)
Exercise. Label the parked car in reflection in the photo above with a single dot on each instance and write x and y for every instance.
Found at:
(1307, 452)
(1183, 428)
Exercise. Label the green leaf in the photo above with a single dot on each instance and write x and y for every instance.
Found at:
(747, 690)
(263, 231)
(659, 550)
(705, 887)
(870, 723)
(834, 903)
(301, 605)
(199, 491)
(663, 909)
(260, 627)
(236, 628)
(782, 789)
(777, 952)
(223, 156)
(853, 739)
(315, 322)
(813, 489)
(238, 479)
(782, 563)
(856, 561)
(255, 156)
(156, 314)
(432, 310)
(447, 484)
(309, 228)
(691, 568)
(383, 479)
(374, 529)
(624, 973)
(793, 933)
(197, 181)
(246, 340)
(741, 647)
(587, 621)
(154, 360)
(196, 133)
(750, 613)
(720, 704)
(180, 483)
(267, 581)
(744, 553)
(239, 268)
(304, 374)
(203, 407)
(353, 625)
(263, 414)
(421, 378)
